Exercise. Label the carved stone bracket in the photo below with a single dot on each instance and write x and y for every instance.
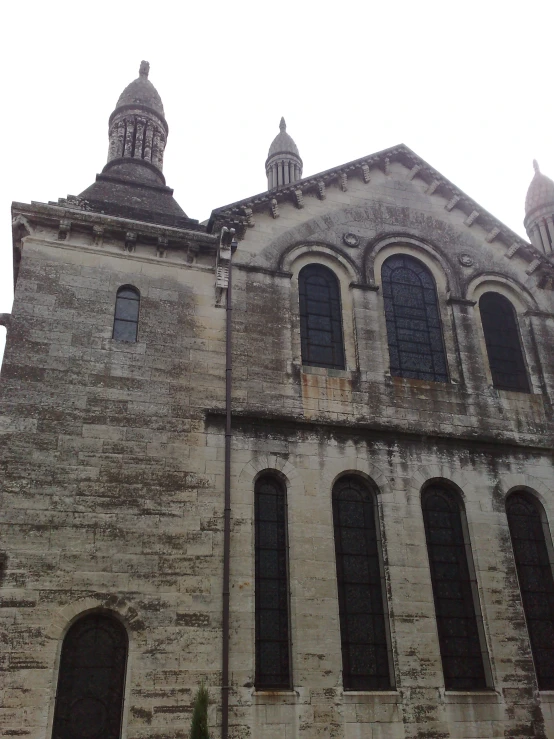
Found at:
(413, 171)
(130, 241)
(365, 173)
(192, 252)
(343, 181)
(161, 246)
(491, 236)
(321, 189)
(223, 263)
(387, 166)
(249, 216)
(274, 208)
(512, 250)
(452, 203)
(98, 235)
(533, 266)
(432, 187)
(64, 229)
(299, 198)
(472, 217)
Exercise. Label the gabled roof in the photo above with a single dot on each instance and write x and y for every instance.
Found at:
(240, 215)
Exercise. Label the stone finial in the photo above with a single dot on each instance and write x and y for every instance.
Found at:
(282, 124)
(144, 69)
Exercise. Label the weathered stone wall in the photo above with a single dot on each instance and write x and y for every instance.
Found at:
(112, 460)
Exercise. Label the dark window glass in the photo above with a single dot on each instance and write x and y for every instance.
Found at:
(320, 318)
(272, 587)
(89, 701)
(362, 617)
(414, 328)
(536, 583)
(460, 643)
(125, 325)
(503, 344)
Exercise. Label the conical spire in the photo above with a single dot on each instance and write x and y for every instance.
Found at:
(283, 164)
(138, 130)
(539, 211)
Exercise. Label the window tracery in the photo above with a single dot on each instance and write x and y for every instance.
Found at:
(363, 625)
(412, 315)
(320, 317)
(91, 681)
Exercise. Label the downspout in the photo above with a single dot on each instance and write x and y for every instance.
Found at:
(227, 499)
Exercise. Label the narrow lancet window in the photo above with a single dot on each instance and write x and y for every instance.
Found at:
(503, 343)
(125, 325)
(459, 623)
(320, 318)
(414, 330)
(91, 681)
(272, 585)
(528, 530)
(363, 623)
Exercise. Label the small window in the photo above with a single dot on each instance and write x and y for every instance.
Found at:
(125, 325)
(320, 318)
(459, 623)
(91, 681)
(530, 540)
(414, 328)
(363, 623)
(272, 585)
(503, 343)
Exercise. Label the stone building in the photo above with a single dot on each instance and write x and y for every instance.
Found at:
(366, 514)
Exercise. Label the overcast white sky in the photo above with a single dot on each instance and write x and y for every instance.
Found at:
(468, 86)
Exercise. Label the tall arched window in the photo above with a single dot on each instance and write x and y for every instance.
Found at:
(459, 623)
(272, 585)
(320, 317)
(414, 328)
(89, 700)
(363, 627)
(125, 324)
(503, 343)
(529, 532)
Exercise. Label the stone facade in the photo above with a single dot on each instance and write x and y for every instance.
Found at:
(113, 454)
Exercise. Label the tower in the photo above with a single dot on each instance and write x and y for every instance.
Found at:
(283, 164)
(539, 211)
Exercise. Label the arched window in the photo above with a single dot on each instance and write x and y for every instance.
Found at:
(459, 622)
(320, 317)
(89, 700)
(125, 324)
(503, 343)
(414, 329)
(529, 532)
(363, 624)
(272, 585)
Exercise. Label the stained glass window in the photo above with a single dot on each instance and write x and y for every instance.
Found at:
(536, 583)
(414, 328)
(320, 317)
(272, 586)
(365, 656)
(503, 343)
(125, 325)
(89, 701)
(461, 645)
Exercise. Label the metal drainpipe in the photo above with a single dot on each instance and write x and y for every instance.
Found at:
(227, 506)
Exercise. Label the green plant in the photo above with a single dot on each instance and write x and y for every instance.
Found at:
(199, 725)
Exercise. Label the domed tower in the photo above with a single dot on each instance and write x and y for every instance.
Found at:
(283, 164)
(132, 184)
(539, 211)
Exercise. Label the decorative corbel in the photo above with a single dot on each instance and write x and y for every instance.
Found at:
(274, 208)
(130, 241)
(365, 173)
(222, 264)
(343, 181)
(387, 166)
(64, 229)
(299, 198)
(161, 247)
(432, 187)
(321, 189)
(192, 251)
(98, 235)
(413, 171)
(491, 236)
(452, 203)
(472, 217)
(249, 216)
(512, 250)
(533, 266)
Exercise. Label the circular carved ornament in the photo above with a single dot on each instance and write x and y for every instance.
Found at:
(465, 260)
(351, 239)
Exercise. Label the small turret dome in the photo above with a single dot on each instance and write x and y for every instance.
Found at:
(283, 143)
(540, 192)
(142, 92)
(283, 164)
